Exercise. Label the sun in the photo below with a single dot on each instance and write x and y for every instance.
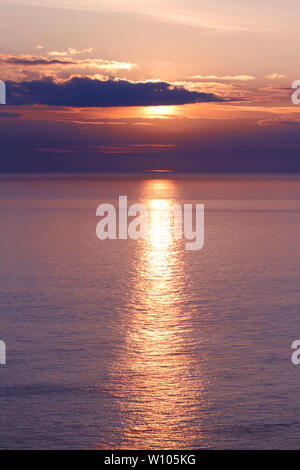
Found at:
(159, 111)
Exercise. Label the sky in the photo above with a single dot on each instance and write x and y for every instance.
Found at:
(129, 86)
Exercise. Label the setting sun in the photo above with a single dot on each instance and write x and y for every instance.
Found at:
(159, 111)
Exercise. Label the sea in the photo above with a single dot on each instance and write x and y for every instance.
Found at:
(143, 344)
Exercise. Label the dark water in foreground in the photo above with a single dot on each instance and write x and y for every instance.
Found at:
(141, 344)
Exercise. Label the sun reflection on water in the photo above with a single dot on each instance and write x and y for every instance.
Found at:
(156, 387)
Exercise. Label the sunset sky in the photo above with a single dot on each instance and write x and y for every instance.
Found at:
(132, 85)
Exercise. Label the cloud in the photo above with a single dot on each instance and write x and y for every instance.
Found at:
(241, 78)
(10, 115)
(279, 122)
(70, 52)
(110, 149)
(32, 61)
(85, 92)
(225, 145)
(207, 16)
(275, 76)
(27, 67)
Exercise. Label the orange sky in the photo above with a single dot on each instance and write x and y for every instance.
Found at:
(242, 52)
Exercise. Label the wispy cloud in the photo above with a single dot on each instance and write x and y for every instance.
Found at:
(275, 76)
(38, 67)
(10, 115)
(201, 14)
(70, 51)
(110, 149)
(240, 78)
(32, 61)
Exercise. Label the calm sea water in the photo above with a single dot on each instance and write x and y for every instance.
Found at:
(142, 344)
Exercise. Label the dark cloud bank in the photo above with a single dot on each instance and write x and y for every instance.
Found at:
(49, 146)
(38, 61)
(86, 92)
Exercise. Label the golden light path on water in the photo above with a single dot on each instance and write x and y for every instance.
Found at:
(157, 388)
